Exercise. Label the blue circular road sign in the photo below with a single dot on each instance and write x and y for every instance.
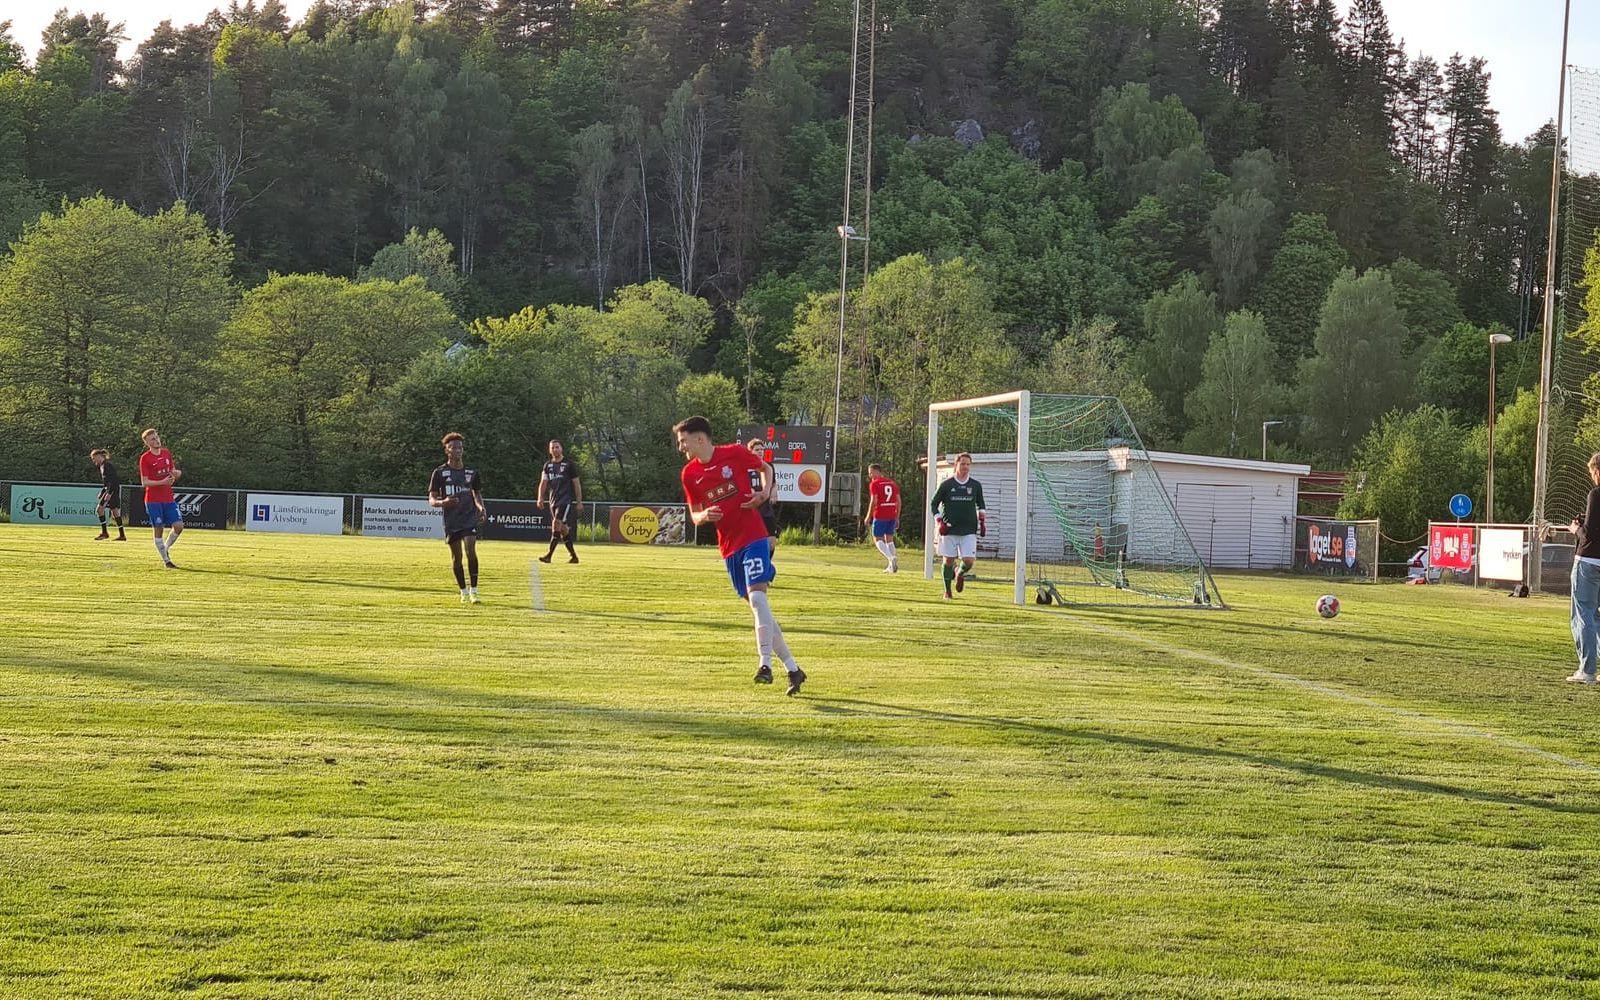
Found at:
(1461, 505)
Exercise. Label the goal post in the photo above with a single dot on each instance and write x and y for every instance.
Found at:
(1076, 510)
(1021, 401)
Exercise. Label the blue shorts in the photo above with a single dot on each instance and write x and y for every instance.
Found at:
(163, 515)
(884, 529)
(751, 565)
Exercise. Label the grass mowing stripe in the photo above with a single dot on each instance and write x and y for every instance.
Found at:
(1410, 714)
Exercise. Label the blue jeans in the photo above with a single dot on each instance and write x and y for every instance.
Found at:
(1586, 614)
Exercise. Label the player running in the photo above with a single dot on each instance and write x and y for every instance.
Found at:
(561, 493)
(883, 514)
(769, 510)
(110, 499)
(158, 471)
(458, 491)
(716, 481)
(958, 507)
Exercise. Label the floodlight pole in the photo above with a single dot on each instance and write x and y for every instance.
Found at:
(1547, 350)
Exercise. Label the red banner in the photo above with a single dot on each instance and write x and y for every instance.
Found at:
(1450, 546)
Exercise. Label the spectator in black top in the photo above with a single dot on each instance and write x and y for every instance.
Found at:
(1586, 581)
(110, 495)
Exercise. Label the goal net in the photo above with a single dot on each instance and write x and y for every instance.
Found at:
(1082, 518)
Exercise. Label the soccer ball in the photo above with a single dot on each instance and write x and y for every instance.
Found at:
(1328, 606)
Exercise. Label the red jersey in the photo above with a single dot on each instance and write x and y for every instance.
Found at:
(156, 465)
(724, 483)
(885, 493)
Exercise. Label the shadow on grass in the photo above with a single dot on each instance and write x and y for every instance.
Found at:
(1309, 768)
(416, 707)
(316, 582)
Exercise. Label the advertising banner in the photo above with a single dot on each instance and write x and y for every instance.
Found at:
(54, 504)
(800, 483)
(391, 518)
(300, 515)
(1330, 548)
(1500, 554)
(1450, 546)
(515, 521)
(648, 524)
(205, 509)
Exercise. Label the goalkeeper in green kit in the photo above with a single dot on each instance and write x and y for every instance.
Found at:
(959, 515)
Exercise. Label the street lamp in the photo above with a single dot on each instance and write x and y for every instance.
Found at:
(1495, 340)
(1264, 425)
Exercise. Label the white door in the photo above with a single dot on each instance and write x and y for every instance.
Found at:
(1217, 519)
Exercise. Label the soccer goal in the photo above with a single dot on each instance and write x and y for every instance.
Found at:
(1082, 517)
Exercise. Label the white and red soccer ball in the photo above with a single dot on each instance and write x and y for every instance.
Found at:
(1328, 606)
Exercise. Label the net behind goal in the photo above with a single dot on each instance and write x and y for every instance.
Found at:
(1083, 518)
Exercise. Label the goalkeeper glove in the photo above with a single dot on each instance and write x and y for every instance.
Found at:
(983, 526)
(944, 529)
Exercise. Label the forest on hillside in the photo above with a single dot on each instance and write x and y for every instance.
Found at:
(307, 248)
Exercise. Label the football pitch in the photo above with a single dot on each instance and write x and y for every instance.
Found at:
(299, 767)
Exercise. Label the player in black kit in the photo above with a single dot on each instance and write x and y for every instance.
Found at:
(458, 491)
(561, 493)
(110, 495)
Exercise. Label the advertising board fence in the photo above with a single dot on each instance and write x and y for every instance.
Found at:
(1334, 548)
(73, 504)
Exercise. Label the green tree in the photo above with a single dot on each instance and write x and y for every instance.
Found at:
(1238, 389)
(1093, 360)
(302, 371)
(106, 318)
(1426, 299)
(929, 332)
(1454, 370)
(714, 396)
(1178, 326)
(1239, 230)
(428, 255)
(1132, 130)
(1289, 298)
(1359, 371)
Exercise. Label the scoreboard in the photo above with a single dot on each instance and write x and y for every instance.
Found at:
(799, 456)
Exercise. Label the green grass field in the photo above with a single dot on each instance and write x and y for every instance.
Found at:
(300, 768)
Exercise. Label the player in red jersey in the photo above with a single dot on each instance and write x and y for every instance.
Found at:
(717, 483)
(883, 514)
(157, 472)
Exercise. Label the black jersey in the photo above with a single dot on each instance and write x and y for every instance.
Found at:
(460, 484)
(110, 482)
(768, 508)
(560, 482)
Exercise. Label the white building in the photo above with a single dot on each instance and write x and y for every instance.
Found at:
(1238, 513)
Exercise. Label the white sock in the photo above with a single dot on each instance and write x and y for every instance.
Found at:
(768, 630)
(763, 612)
(891, 553)
(161, 549)
(172, 540)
